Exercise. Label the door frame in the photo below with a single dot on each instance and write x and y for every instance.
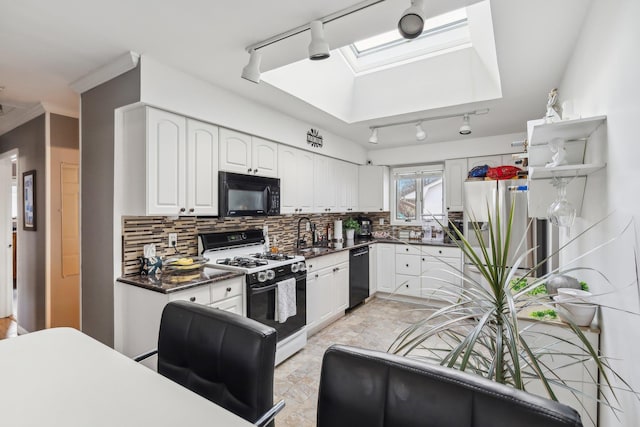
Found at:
(6, 234)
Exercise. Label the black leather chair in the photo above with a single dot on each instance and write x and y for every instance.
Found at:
(376, 389)
(224, 357)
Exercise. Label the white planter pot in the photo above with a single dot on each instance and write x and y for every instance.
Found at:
(350, 232)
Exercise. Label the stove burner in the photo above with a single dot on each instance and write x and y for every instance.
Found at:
(272, 257)
(243, 262)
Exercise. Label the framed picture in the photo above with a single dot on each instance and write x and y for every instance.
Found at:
(29, 203)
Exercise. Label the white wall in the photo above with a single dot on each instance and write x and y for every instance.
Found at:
(602, 78)
(439, 151)
(173, 90)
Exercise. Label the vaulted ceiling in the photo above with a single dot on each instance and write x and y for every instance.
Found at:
(48, 45)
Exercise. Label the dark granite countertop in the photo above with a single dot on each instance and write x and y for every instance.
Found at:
(172, 283)
(351, 244)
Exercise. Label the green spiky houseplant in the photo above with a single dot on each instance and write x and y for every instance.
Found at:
(478, 329)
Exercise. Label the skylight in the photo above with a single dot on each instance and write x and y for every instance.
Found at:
(441, 34)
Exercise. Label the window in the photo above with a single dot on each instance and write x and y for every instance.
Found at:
(417, 194)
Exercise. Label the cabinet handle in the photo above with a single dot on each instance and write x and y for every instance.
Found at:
(439, 252)
(182, 209)
(406, 249)
(407, 285)
(380, 209)
(192, 299)
(407, 265)
(228, 289)
(255, 171)
(423, 259)
(249, 170)
(192, 210)
(316, 276)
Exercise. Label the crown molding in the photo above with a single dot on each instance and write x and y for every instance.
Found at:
(14, 120)
(120, 65)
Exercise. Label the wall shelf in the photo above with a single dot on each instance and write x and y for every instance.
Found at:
(541, 133)
(565, 171)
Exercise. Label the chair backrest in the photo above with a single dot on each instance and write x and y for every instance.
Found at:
(376, 389)
(224, 357)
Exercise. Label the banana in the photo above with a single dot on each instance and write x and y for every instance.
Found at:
(185, 261)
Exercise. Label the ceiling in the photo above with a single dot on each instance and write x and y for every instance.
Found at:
(48, 45)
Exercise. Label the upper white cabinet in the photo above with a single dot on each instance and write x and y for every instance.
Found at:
(373, 188)
(296, 176)
(455, 173)
(491, 161)
(246, 154)
(347, 186)
(171, 164)
(324, 184)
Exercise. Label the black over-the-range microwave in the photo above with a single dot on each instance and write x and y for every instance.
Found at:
(248, 195)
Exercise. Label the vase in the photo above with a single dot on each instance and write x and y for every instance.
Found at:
(350, 232)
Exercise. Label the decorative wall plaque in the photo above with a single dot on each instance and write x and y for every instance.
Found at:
(314, 138)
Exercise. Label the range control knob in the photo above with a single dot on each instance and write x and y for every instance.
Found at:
(302, 266)
(271, 274)
(294, 267)
(262, 276)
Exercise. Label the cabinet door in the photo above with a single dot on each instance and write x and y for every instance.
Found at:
(287, 172)
(408, 285)
(373, 269)
(342, 192)
(305, 176)
(352, 187)
(325, 298)
(386, 267)
(166, 162)
(408, 264)
(492, 161)
(232, 305)
(439, 280)
(321, 185)
(264, 157)
(235, 151)
(455, 174)
(202, 173)
(373, 188)
(340, 287)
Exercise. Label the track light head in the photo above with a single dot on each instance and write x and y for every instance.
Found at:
(411, 22)
(374, 136)
(421, 135)
(318, 48)
(251, 71)
(465, 129)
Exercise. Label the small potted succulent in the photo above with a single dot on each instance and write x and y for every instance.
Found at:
(351, 226)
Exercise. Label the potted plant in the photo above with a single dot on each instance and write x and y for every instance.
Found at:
(478, 330)
(351, 226)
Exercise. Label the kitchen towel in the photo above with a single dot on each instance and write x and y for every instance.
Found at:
(286, 299)
(337, 230)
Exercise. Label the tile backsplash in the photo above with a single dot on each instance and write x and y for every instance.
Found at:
(142, 230)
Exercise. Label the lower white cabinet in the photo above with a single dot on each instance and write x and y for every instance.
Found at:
(386, 267)
(327, 289)
(137, 311)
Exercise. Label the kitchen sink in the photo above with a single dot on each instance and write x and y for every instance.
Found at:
(314, 250)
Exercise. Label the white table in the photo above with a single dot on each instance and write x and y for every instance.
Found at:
(61, 377)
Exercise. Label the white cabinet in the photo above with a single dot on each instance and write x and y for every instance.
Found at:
(563, 342)
(373, 188)
(324, 184)
(137, 311)
(296, 175)
(386, 267)
(346, 186)
(170, 165)
(455, 174)
(327, 289)
(440, 276)
(373, 269)
(491, 161)
(246, 154)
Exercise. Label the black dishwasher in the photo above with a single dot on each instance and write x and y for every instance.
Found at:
(358, 275)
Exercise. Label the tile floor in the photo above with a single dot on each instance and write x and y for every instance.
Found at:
(373, 325)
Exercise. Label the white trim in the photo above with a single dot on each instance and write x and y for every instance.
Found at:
(120, 65)
(47, 219)
(17, 119)
(61, 111)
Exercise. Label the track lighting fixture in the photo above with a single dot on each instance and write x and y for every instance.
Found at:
(411, 22)
(251, 71)
(421, 135)
(465, 129)
(318, 48)
(374, 136)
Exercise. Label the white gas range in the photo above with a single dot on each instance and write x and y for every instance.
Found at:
(243, 252)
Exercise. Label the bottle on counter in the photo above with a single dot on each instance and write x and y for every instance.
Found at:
(329, 233)
(274, 246)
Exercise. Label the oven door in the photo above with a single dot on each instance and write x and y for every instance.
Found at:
(261, 306)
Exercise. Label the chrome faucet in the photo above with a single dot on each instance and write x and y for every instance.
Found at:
(313, 232)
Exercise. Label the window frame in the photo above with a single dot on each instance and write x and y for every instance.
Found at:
(417, 170)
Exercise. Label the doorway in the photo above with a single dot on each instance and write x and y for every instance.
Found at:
(8, 241)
